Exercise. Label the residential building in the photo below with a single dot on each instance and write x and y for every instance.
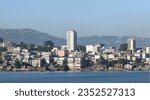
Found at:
(93, 48)
(71, 40)
(5, 44)
(62, 53)
(132, 45)
(76, 63)
(110, 50)
(148, 50)
(128, 66)
(63, 47)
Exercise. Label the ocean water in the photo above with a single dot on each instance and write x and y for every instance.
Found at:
(75, 77)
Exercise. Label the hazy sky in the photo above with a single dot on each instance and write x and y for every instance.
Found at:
(87, 17)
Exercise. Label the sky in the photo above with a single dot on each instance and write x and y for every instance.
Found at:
(87, 17)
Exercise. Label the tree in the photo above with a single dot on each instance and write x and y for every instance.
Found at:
(81, 48)
(109, 64)
(49, 45)
(114, 62)
(123, 47)
(17, 64)
(1, 40)
(24, 64)
(142, 64)
(88, 63)
(123, 61)
(41, 48)
(66, 68)
(13, 44)
(23, 45)
(3, 49)
(31, 47)
(102, 61)
(44, 63)
(138, 60)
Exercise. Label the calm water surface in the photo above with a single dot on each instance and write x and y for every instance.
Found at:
(75, 77)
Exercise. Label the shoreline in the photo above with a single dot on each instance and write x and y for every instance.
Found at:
(75, 71)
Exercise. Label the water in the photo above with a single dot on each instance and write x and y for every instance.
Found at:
(75, 77)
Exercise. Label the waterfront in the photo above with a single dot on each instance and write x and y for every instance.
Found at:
(75, 77)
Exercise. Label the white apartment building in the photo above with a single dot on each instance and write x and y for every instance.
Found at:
(71, 40)
(148, 50)
(93, 48)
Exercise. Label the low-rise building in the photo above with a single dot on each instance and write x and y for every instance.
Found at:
(61, 61)
(63, 53)
(36, 63)
(64, 47)
(147, 50)
(75, 63)
(5, 44)
(79, 62)
(111, 56)
(93, 48)
(128, 66)
(110, 50)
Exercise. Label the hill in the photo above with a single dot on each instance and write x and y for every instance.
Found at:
(112, 41)
(32, 36)
(28, 36)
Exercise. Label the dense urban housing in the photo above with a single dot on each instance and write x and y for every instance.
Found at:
(73, 57)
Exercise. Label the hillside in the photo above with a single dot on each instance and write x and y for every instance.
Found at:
(113, 41)
(32, 36)
(28, 36)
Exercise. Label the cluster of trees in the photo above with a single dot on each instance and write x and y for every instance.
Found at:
(1, 40)
(123, 47)
(48, 45)
(3, 49)
(81, 48)
(111, 63)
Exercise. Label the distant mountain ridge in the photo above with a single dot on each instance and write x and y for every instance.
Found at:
(32, 36)
(113, 41)
(28, 36)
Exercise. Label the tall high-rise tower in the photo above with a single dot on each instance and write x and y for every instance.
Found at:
(132, 45)
(71, 40)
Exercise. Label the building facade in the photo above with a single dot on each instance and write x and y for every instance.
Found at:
(132, 45)
(93, 48)
(71, 40)
(147, 50)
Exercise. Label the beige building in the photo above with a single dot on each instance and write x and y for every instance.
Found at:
(34, 63)
(75, 63)
(62, 53)
(132, 45)
(79, 62)
(70, 62)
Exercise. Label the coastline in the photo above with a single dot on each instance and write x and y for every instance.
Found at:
(74, 71)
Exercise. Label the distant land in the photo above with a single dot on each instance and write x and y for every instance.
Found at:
(31, 36)
(28, 36)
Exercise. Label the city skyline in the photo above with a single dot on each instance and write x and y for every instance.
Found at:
(88, 17)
